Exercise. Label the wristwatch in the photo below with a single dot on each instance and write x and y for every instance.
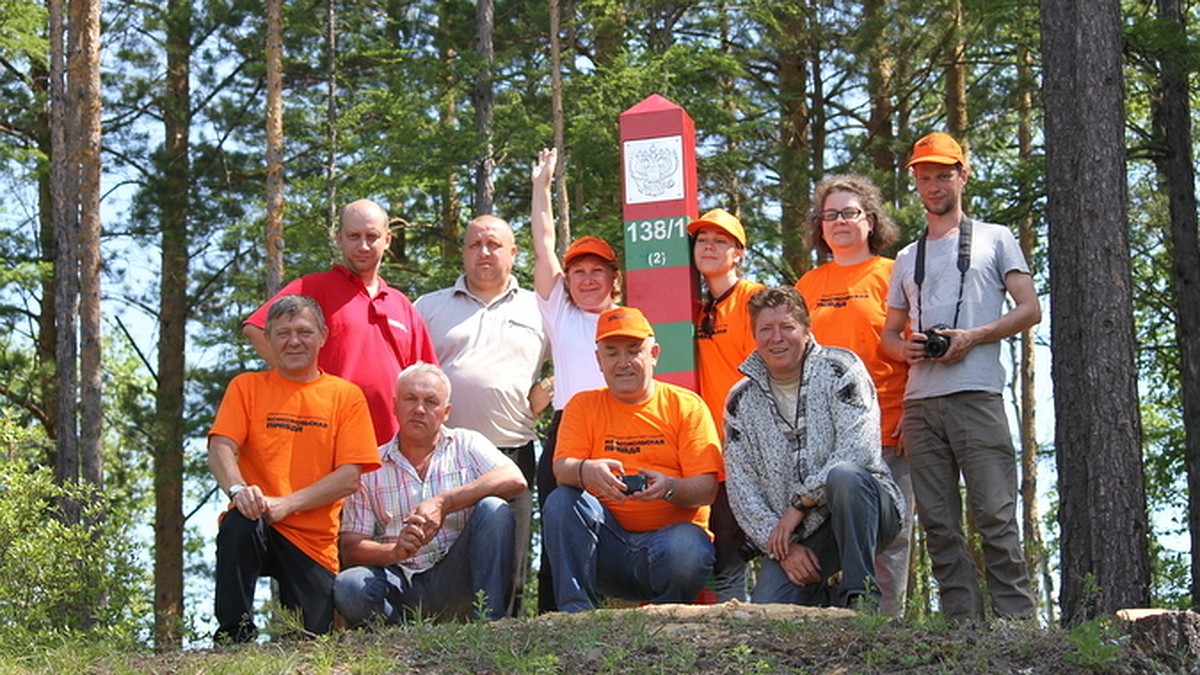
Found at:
(670, 491)
(234, 489)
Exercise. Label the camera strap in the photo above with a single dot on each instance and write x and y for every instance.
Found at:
(964, 264)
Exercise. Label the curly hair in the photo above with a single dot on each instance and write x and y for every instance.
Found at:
(883, 229)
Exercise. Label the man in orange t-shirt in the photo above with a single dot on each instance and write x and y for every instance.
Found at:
(637, 465)
(286, 446)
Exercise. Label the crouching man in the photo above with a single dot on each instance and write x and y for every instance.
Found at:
(807, 480)
(286, 446)
(637, 465)
(431, 530)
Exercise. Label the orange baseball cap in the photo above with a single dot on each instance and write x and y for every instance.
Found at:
(623, 322)
(937, 148)
(589, 246)
(722, 220)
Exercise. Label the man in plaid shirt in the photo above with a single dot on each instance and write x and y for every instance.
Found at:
(430, 532)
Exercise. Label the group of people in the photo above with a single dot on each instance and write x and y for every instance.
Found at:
(826, 414)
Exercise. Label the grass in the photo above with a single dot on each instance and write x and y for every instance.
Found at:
(671, 639)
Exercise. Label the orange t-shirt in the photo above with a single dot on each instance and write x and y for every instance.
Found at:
(290, 435)
(671, 433)
(718, 357)
(848, 306)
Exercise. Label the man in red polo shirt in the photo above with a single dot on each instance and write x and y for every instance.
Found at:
(374, 332)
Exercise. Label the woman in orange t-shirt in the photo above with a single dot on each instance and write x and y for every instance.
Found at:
(723, 340)
(847, 301)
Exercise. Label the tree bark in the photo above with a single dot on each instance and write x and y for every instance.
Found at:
(451, 207)
(1105, 561)
(275, 203)
(563, 226)
(1035, 558)
(485, 102)
(47, 341)
(331, 116)
(64, 180)
(880, 135)
(85, 79)
(957, 115)
(174, 213)
(1173, 157)
(731, 186)
(795, 174)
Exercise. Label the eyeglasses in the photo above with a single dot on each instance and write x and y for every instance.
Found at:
(847, 214)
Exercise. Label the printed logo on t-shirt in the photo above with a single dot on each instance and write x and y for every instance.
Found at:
(397, 324)
(841, 299)
(295, 423)
(631, 445)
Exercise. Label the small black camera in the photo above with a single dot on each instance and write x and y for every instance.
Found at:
(634, 483)
(937, 344)
(748, 551)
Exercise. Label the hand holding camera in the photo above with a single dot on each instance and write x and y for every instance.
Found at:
(936, 342)
(633, 483)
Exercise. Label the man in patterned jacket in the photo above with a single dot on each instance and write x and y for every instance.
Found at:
(805, 475)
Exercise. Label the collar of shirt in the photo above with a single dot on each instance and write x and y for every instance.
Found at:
(460, 286)
(345, 271)
(389, 453)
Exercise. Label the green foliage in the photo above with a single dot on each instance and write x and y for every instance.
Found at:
(1095, 644)
(405, 136)
(62, 582)
(21, 23)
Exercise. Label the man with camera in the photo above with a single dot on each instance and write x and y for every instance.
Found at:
(637, 465)
(945, 318)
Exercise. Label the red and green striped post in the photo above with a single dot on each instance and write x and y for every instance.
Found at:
(658, 162)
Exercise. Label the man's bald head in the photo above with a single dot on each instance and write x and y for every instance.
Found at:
(363, 237)
(488, 253)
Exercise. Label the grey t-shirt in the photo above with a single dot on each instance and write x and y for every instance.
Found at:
(994, 253)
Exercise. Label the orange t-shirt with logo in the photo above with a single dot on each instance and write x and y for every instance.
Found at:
(671, 432)
(290, 435)
(718, 356)
(848, 307)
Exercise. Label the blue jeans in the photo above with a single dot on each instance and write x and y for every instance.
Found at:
(481, 559)
(593, 556)
(862, 519)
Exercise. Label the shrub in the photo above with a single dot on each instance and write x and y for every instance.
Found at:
(61, 581)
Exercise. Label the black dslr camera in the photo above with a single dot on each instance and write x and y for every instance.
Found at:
(634, 483)
(936, 344)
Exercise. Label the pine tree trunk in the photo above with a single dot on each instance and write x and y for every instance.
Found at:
(795, 132)
(64, 180)
(957, 116)
(563, 197)
(1104, 556)
(880, 137)
(174, 214)
(485, 102)
(331, 115)
(1173, 156)
(1035, 558)
(274, 123)
(85, 79)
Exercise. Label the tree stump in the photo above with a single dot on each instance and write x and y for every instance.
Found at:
(1163, 632)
